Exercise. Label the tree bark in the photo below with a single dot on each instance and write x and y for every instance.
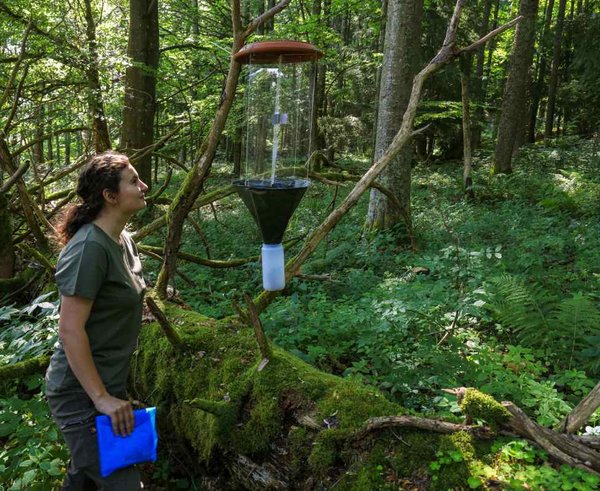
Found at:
(140, 83)
(7, 254)
(400, 60)
(516, 89)
(553, 84)
(100, 134)
(538, 87)
(478, 88)
(465, 77)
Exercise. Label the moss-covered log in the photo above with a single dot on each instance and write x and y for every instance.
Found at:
(24, 368)
(286, 423)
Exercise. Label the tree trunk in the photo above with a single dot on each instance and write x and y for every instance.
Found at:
(553, 85)
(100, 134)
(466, 118)
(538, 87)
(67, 149)
(492, 47)
(38, 146)
(317, 140)
(399, 67)
(380, 47)
(515, 91)
(7, 254)
(140, 83)
(478, 92)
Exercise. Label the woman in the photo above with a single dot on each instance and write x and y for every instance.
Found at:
(99, 276)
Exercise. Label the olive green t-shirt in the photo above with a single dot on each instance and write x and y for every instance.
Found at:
(94, 266)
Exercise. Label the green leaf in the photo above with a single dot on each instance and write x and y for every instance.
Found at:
(474, 482)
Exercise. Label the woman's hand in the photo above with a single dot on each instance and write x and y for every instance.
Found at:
(119, 411)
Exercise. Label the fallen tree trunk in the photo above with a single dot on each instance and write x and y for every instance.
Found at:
(257, 417)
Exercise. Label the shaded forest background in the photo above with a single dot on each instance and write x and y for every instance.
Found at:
(474, 263)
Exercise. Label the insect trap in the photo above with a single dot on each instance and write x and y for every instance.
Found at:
(278, 129)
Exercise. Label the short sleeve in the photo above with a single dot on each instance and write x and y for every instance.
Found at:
(81, 269)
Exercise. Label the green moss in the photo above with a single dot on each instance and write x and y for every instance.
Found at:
(478, 406)
(324, 452)
(454, 455)
(242, 409)
(417, 448)
(24, 368)
(299, 446)
(351, 404)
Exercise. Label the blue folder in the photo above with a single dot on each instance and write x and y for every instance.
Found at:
(117, 451)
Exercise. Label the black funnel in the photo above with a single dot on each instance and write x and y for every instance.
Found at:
(271, 203)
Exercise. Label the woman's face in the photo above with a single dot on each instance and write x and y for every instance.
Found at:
(131, 191)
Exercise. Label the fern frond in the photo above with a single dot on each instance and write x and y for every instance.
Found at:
(524, 309)
(573, 324)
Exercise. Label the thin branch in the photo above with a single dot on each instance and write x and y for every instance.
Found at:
(197, 46)
(142, 152)
(383, 422)
(20, 150)
(490, 35)
(171, 160)
(265, 17)
(203, 200)
(259, 333)
(15, 69)
(17, 98)
(12, 180)
(162, 189)
(171, 334)
(211, 263)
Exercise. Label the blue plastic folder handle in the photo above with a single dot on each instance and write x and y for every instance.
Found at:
(117, 451)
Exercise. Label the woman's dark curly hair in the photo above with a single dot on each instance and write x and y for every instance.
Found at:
(103, 171)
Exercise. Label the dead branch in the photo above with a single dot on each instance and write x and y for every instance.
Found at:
(142, 152)
(162, 189)
(265, 17)
(204, 200)
(581, 414)
(80, 162)
(17, 66)
(211, 263)
(559, 446)
(437, 426)
(171, 160)
(201, 234)
(12, 180)
(30, 210)
(47, 136)
(171, 334)
(261, 338)
(319, 177)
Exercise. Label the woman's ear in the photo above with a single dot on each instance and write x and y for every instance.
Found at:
(109, 196)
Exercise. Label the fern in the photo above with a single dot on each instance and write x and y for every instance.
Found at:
(574, 325)
(568, 329)
(521, 308)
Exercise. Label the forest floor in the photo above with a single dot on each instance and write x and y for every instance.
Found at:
(499, 293)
